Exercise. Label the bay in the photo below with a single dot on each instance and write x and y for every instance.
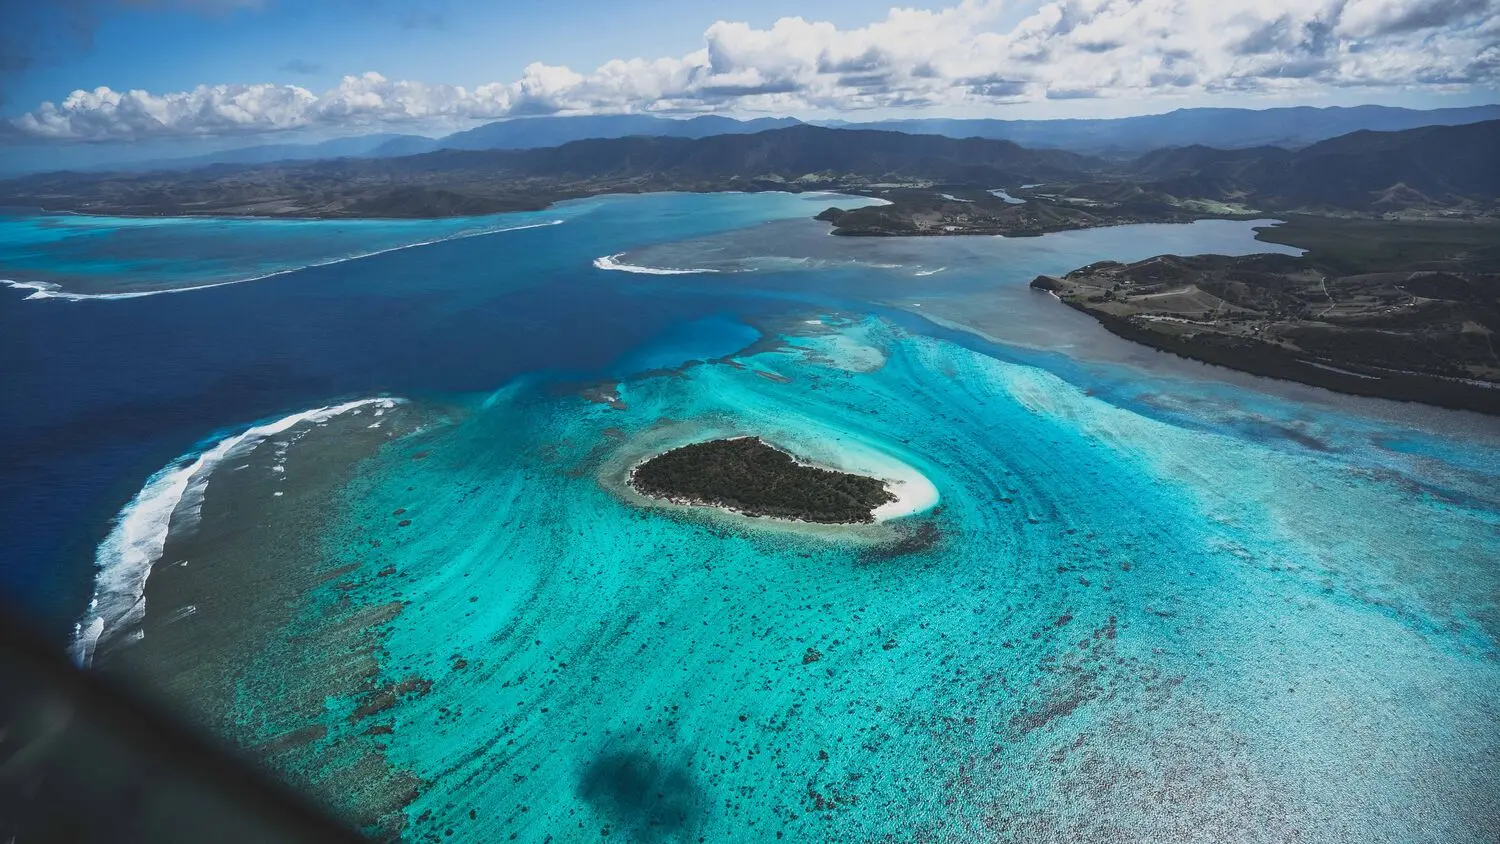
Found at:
(1148, 599)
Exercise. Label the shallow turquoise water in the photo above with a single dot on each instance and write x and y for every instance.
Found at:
(85, 255)
(1154, 601)
(1127, 630)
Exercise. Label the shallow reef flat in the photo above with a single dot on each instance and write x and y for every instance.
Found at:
(1108, 626)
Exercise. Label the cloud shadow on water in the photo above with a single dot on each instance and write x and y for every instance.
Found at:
(636, 792)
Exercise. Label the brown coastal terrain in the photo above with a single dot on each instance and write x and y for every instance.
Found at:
(1394, 310)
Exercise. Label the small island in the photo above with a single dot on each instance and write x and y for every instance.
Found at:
(749, 476)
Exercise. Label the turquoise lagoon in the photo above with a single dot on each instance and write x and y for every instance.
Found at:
(78, 256)
(1133, 598)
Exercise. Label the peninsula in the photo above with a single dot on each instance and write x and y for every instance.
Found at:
(749, 476)
(1393, 310)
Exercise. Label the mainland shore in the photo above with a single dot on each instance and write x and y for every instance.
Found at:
(1415, 332)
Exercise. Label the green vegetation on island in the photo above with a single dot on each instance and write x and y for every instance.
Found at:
(941, 210)
(747, 475)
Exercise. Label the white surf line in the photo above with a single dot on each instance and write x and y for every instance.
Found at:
(611, 262)
(48, 290)
(872, 200)
(138, 534)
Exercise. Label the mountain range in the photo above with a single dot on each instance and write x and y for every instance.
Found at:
(526, 133)
(1432, 167)
(1222, 128)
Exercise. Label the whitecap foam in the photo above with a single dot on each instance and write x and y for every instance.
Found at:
(180, 613)
(929, 272)
(611, 262)
(41, 289)
(139, 532)
(48, 290)
(872, 201)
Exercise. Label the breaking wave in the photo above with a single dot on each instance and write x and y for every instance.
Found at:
(48, 290)
(611, 262)
(139, 533)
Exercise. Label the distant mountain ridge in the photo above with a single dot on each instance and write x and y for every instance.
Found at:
(1224, 128)
(359, 146)
(1220, 128)
(1441, 167)
(520, 133)
(1367, 171)
(793, 153)
(449, 182)
(536, 132)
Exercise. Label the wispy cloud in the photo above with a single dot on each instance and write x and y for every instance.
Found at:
(951, 58)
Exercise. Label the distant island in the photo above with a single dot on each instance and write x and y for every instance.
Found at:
(749, 476)
(1393, 310)
(956, 210)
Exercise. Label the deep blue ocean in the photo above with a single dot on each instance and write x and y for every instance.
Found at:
(101, 393)
(1130, 597)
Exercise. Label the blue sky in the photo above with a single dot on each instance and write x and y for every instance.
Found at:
(169, 75)
(169, 46)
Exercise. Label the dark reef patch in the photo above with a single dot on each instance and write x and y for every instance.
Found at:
(749, 476)
(914, 539)
(654, 801)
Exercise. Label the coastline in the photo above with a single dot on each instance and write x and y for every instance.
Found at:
(561, 197)
(1042, 231)
(903, 201)
(1270, 362)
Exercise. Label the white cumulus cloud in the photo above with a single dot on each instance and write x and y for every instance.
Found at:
(912, 59)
